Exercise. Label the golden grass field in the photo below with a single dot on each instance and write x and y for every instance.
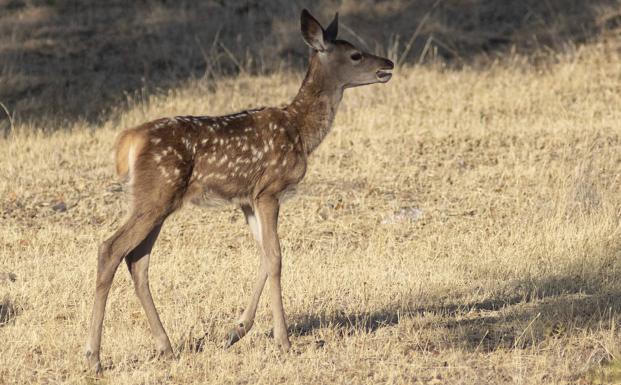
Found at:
(456, 227)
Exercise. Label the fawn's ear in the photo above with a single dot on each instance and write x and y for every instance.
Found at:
(312, 32)
(333, 29)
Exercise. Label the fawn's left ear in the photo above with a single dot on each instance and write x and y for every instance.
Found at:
(312, 31)
(333, 29)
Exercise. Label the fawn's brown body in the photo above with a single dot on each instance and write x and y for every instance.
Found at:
(252, 158)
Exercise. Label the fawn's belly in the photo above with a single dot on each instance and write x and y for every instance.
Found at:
(215, 193)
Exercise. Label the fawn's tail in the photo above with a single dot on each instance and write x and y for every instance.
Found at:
(129, 143)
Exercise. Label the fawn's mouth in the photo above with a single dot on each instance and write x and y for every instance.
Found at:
(384, 75)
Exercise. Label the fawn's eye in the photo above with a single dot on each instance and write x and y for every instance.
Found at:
(356, 56)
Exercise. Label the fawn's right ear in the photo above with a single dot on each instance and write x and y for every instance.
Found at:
(312, 32)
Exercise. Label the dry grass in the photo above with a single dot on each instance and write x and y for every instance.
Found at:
(61, 60)
(510, 271)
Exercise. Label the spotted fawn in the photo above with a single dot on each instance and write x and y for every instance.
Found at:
(252, 159)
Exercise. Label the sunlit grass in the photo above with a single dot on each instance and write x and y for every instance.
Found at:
(509, 272)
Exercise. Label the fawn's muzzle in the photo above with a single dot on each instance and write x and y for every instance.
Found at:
(385, 73)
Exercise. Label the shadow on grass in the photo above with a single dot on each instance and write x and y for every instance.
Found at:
(521, 313)
(536, 310)
(66, 61)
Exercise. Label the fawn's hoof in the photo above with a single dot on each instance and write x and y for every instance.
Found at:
(284, 345)
(234, 335)
(165, 354)
(93, 363)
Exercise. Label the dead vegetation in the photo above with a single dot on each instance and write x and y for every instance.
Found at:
(463, 220)
(463, 227)
(62, 61)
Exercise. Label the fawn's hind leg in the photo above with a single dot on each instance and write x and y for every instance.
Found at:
(135, 231)
(138, 265)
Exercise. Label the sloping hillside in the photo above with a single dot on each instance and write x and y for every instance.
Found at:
(66, 60)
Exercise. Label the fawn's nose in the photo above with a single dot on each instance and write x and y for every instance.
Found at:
(389, 64)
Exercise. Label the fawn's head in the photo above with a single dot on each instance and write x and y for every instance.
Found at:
(345, 64)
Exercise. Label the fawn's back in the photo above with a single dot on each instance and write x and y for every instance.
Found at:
(212, 160)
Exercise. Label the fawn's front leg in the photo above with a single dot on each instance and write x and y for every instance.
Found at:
(266, 208)
(245, 322)
(263, 220)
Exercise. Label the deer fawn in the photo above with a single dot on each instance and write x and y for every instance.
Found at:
(251, 159)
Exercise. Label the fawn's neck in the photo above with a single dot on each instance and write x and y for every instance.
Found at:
(314, 107)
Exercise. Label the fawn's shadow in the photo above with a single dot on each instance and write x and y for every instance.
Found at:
(520, 313)
(554, 307)
(536, 310)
